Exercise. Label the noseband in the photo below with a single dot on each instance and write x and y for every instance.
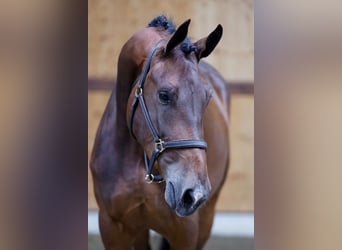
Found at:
(159, 144)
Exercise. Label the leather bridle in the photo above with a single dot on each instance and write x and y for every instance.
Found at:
(159, 144)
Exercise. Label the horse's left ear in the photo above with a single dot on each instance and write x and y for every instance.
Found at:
(178, 37)
(206, 45)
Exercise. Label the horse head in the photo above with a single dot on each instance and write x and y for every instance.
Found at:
(174, 97)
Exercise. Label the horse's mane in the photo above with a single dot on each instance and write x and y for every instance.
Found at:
(162, 22)
(167, 24)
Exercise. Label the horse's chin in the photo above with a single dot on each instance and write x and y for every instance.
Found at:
(182, 212)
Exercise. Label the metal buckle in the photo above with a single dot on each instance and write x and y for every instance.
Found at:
(149, 178)
(138, 91)
(159, 145)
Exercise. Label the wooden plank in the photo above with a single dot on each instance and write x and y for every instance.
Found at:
(234, 87)
(244, 88)
(238, 191)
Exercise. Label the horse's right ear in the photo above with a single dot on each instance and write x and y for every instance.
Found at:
(206, 45)
(178, 37)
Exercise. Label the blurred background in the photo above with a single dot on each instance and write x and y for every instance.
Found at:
(110, 25)
(44, 47)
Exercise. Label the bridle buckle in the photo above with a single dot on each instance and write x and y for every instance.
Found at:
(138, 91)
(149, 178)
(159, 145)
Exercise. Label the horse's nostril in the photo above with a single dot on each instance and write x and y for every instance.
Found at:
(188, 197)
(191, 200)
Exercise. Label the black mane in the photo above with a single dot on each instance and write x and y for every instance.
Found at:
(162, 21)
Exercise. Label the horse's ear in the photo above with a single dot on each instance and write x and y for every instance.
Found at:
(206, 45)
(178, 37)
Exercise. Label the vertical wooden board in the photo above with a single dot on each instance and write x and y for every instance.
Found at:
(91, 198)
(234, 55)
(111, 23)
(238, 191)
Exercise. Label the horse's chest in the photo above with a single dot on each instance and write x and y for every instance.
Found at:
(130, 200)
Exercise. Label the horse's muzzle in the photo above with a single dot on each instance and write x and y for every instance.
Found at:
(187, 202)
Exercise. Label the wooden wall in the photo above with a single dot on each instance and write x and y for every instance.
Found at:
(111, 23)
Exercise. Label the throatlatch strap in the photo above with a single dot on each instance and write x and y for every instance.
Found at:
(140, 87)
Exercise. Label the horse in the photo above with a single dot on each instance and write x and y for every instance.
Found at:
(161, 152)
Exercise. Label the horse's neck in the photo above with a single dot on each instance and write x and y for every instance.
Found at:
(113, 140)
(131, 59)
(129, 67)
(114, 124)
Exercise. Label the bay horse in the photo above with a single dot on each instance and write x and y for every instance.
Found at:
(161, 151)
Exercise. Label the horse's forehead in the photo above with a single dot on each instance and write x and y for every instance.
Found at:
(175, 70)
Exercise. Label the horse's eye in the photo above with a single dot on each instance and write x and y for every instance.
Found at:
(165, 97)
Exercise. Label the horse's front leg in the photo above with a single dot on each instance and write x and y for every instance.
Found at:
(206, 218)
(114, 234)
(184, 235)
(142, 241)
